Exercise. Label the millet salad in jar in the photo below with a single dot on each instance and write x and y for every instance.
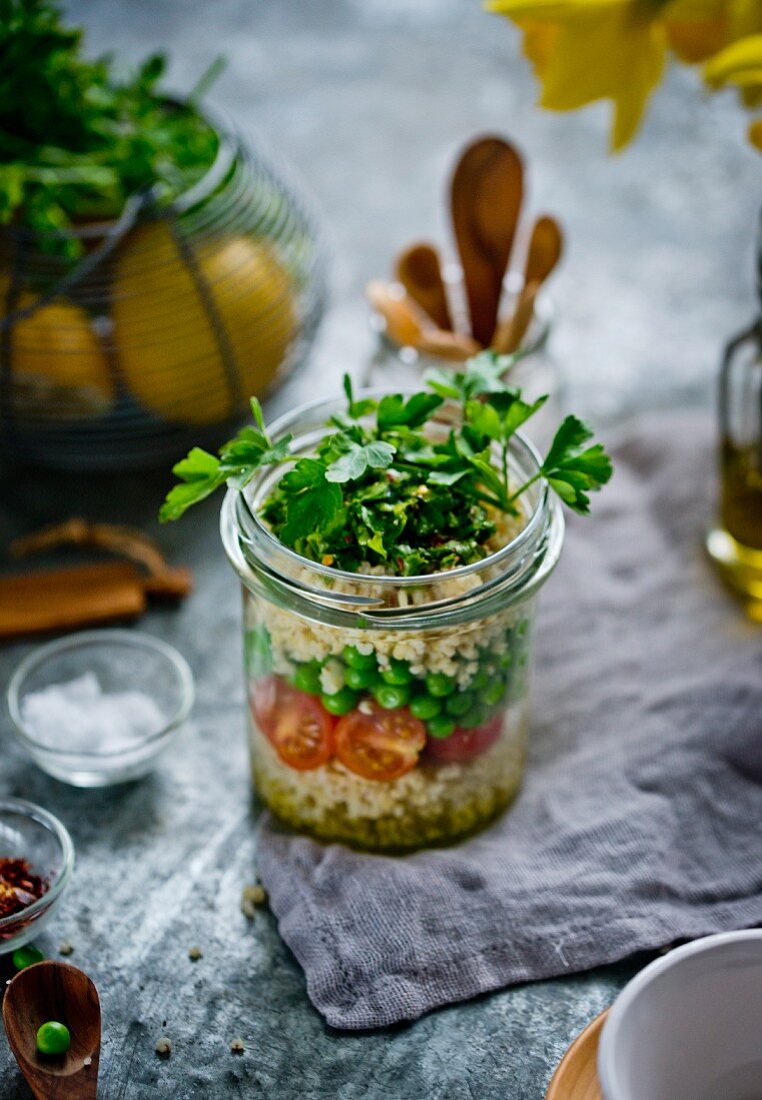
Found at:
(391, 548)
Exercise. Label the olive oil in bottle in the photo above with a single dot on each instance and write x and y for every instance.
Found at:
(735, 544)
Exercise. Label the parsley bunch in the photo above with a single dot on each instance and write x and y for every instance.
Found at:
(76, 140)
(380, 489)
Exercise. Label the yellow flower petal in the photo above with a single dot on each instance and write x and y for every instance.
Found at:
(539, 44)
(755, 133)
(739, 63)
(585, 50)
(745, 18)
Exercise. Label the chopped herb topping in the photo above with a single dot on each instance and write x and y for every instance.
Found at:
(381, 489)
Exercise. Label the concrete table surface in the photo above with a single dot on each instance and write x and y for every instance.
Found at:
(369, 99)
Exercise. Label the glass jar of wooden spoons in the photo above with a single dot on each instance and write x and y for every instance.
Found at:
(438, 314)
(399, 359)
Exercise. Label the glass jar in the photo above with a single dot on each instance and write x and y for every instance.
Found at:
(735, 543)
(536, 372)
(389, 713)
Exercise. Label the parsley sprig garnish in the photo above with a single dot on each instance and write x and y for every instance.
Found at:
(381, 489)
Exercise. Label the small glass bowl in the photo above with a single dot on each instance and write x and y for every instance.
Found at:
(31, 833)
(122, 660)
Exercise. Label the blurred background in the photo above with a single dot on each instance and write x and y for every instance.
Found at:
(370, 101)
(365, 106)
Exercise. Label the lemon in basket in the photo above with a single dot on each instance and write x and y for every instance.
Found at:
(59, 370)
(199, 328)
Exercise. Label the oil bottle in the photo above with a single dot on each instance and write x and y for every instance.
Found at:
(735, 543)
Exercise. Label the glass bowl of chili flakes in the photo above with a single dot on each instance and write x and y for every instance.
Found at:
(36, 861)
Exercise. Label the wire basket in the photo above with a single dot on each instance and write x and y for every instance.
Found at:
(172, 318)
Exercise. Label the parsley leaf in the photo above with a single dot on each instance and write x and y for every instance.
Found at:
(312, 503)
(200, 475)
(395, 412)
(357, 409)
(358, 458)
(573, 471)
(483, 374)
(243, 456)
(239, 460)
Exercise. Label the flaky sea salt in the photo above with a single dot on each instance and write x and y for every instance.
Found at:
(79, 717)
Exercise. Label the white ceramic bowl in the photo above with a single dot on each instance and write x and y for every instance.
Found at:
(689, 1026)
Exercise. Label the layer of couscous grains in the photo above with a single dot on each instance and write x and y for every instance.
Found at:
(386, 739)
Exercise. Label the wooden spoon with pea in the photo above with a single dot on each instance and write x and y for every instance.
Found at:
(54, 991)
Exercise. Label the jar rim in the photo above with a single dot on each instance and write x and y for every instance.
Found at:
(533, 551)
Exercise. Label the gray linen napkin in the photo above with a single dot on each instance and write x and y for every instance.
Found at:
(640, 819)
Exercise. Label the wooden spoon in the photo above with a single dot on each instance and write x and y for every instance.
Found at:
(55, 991)
(405, 321)
(486, 193)
(454, 346)
(420, 272)
(545, 247)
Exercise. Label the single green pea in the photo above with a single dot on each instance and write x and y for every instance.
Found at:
(438, 684)
(477, 716)
(459, 703)
(390, 696)
(425, 707)
(53, 1038)
(355, 659)
(522, 628)
(23, 957)
(398, 673)
(493, 693)
(307, 678)
(341, 702)
(505, 660)
(480, 680)
(441, 726)
(360, 679)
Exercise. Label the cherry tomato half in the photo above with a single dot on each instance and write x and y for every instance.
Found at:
(465, 744)
(296, 724)
(383, 744)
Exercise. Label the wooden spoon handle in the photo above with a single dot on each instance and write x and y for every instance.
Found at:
(486, 195)
(513, 329)
(420, 272)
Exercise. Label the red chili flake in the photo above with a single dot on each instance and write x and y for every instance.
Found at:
(19, 888)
